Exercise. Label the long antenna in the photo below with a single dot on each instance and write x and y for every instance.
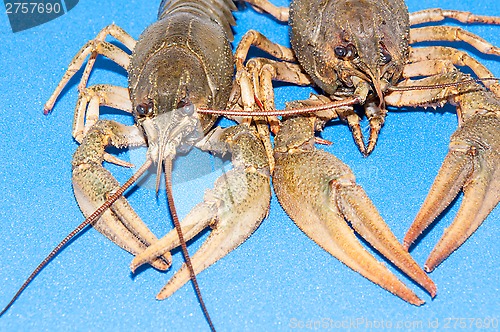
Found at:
(441, 85)
(187, 259)
(92, 218)
(338, 103)
(287, 112)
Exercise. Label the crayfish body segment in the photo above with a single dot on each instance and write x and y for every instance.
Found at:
(358, 47)
(174, 69)
(350, 39)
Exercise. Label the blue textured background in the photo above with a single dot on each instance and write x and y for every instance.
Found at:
(279, 276)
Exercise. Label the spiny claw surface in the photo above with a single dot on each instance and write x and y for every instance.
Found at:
(472, 164)
(92, 185)
(234, 208)
(319, 193)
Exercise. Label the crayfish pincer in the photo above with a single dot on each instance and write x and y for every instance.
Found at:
(471, 165)
(234, 208)
(319, 192)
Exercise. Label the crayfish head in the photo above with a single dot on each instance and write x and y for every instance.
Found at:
(165, 96)
(377, 44)
(345, 43)
(371, 48)
(170, 132)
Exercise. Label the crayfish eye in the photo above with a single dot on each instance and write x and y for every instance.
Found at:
(187, 110)
(340, 51)
(140, 109)
(385, 56)
(346, 52)
(185, 106)
(144, 109)
(351, 51)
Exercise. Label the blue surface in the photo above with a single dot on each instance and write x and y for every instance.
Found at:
(279, 277)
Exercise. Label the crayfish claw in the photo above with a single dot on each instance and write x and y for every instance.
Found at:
(198, 219)
(234, 224)
(93, 184)
(376, 117)
(452, 176)
(472, 164)
(328, 195)
(234, 208)
(348, 115)
(359, 210)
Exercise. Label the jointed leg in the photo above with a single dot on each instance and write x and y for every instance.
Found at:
(452, 57)
(92, 48)
(451, 34)
(89, 101)
(437, 15)
(260, 41)
(280, 13)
